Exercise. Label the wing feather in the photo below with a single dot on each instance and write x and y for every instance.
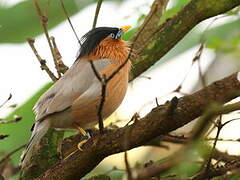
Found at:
(68, 88)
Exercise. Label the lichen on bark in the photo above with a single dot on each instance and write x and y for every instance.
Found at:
(45, 157)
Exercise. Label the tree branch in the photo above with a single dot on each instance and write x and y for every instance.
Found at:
(157, 122)
(218, 171)
(150, 24)
(166, 36)
(46, 156)
(99, 4)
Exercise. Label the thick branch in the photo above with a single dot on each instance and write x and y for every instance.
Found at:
(172, 31)
(46, 156)
(150, 24)
(157, 122)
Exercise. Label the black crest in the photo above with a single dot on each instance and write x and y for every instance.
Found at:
(91, 39)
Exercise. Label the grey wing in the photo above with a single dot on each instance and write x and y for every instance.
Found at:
(68, 88)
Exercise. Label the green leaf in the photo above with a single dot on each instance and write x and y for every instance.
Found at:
(21, 21)
(177, 6)
(225, 39)
(180, 3)
(129, 34)
(20, 131)
(193, 38)
(214, 36)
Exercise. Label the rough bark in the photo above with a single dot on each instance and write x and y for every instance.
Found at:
(45, 157)
(150, 24)
(159, 121)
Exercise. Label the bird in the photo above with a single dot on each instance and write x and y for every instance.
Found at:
(72, 101)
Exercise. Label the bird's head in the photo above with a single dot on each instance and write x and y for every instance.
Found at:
(94, 37)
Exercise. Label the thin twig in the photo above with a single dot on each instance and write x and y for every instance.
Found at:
(195, 58)
(224, 140)
(117, 70)
(198, 58)
(156, 100)
(219, 128)
(69, 21)
(149, 172)
(16, 119)
(128, 167)
(62, 67)
(97, 13)
(134, 118)
(121, 66)
(217, 171)
(179, 87)
(102, 80)
(210, 130)
(41, 61)
(3, 136)
(44, 22)
(203, 37)
(213, 111)
(181, 139)
(9, 97)
(95, 71)
(126, 146)
(11, 153)
(101, 105)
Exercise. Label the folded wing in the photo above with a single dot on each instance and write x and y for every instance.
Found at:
(63, 93)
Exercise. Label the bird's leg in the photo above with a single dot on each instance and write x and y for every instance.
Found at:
(86, 136)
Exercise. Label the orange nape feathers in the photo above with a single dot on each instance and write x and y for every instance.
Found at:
(114, 49)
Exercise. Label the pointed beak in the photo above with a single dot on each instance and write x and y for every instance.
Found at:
(125, 28)
(122, 30)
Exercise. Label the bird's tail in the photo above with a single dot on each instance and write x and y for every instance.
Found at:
(40, 129)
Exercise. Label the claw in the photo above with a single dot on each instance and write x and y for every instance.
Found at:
(86, 136)
(81, 143)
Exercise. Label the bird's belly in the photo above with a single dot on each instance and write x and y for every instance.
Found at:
(86, 113)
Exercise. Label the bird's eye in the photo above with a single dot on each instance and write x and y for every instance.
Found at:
(112, 35)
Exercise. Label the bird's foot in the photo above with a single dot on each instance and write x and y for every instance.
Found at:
(86, 137)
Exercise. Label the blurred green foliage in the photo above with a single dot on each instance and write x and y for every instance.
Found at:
(214, 38)
(235, 177)
(223, 43)
(20, 131)
(21, 21)
(176, 7)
